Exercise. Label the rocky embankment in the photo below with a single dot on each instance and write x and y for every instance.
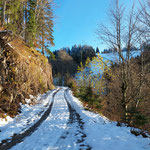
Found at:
(23, 72)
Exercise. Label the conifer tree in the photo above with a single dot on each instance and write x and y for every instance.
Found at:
(3, 11)
(14, 16)
(32, 19)
(31, 22)
(97, 50)
(45, 25)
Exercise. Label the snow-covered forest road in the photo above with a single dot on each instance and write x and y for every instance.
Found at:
(65, 125)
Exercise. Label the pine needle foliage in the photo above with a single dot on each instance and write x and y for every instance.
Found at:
(31, 19)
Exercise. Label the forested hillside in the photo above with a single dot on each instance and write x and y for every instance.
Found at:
(23, 72)
(30, 19)
(26, 25)
(65, 61)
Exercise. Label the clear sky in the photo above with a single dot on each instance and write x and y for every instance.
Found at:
(77, 21)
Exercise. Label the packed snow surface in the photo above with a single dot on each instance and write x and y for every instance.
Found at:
(57, 133)
(105, 135)
(28, 116)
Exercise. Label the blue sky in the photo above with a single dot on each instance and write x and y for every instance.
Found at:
(76, 22)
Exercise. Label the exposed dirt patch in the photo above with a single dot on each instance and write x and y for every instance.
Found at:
(23, 72)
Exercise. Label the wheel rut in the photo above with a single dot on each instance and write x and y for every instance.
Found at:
(18, 138)
(75, 121)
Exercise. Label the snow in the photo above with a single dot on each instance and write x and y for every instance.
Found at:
(55, 133)
(5, 121)
(50, 130)
(115, 57)
(105, 135)
(10, 45)
(97, 68)
(28, 116)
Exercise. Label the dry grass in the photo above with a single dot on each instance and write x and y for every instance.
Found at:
(24, 72)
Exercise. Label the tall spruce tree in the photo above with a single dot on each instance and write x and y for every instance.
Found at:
(31, 22)
(14, 16)
(3, 11)
(97, 50)
(45, 25)
(32, 19)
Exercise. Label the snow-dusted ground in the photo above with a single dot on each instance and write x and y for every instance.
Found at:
(115, 57)
(30, 114)
(57, 132)
(48, 134)
(105, 135)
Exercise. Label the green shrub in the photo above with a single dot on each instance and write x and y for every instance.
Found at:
(71, 83)
(139, 119)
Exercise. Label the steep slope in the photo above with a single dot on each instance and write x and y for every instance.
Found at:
(23, 72)
(69, 127)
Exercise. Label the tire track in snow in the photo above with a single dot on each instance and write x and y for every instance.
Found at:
(18, 138)
(76, 122)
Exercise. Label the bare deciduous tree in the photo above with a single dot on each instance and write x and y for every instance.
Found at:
(122, 32)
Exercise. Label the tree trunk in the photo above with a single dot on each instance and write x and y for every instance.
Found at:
(43, 41)
(3, 12)
(124, 91)
(26, 15)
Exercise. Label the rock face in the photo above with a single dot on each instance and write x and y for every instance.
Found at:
(23, 72)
